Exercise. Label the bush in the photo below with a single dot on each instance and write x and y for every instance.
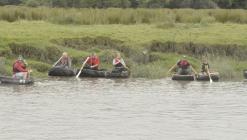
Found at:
(39, 66)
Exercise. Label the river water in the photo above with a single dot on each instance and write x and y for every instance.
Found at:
(123, 109)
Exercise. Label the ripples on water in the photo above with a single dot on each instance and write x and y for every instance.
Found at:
(123, 109)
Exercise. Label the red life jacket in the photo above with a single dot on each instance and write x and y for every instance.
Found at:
(93, 60)
(118, 61)
(19, 66)
(184, 64)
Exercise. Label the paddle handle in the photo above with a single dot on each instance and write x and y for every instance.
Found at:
(210, 78)
(84, 63)
(172, 68)
(57, 61)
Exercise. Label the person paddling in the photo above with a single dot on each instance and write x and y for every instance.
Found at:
(205, 66)
(118, 63)
(183, 67)
(64, 60)
(20, 70)
(92, 62)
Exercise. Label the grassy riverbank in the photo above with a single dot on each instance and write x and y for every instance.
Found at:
(42, 43)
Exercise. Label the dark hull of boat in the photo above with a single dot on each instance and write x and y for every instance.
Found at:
(103, 74)
(93, 73)
(10, 80)
(61, 71)
(183, 77)
(245, 74)
(203, 77)
(123, 74)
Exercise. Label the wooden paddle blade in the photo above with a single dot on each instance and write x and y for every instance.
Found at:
(211, 81)
(77, 76)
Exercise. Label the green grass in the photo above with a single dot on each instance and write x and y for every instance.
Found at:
(42, 32)
(42, 43)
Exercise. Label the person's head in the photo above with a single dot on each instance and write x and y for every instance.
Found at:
(93, 54)
(204, 59)
(184, 57)
(118, 55)
(20, 58)
(65, 54)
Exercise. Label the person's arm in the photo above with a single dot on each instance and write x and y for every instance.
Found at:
(122, 62)
(20, 68)
(115, 62)
(207, 69)
(69, 62)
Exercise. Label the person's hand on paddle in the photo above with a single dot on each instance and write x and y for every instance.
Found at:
(171, 69)
(91, 67)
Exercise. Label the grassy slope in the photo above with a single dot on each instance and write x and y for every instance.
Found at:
(25, 31)
(133, 35)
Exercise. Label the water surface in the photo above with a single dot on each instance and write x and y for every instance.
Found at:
(123, 109)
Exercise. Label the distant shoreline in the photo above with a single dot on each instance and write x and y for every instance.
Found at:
(41, 39)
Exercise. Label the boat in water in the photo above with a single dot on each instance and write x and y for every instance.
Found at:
(93, 73)
(122, 74)
(11, 80)
(183, 77)
(104, 73)
(61, 71)
(204, 77)
(245, 73)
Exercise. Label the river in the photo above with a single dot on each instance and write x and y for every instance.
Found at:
(123, 109)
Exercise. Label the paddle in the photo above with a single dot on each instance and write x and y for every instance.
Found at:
(172, 68)
(29, 73)
(57, 61)
(77, 76)
(126, 67)
(210, 78)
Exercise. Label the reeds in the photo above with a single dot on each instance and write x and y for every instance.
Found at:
(87, 16)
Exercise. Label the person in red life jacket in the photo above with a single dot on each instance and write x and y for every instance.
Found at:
(92, 62)
(183, 67)
(64, 61)
(118, 63)
(20, 70)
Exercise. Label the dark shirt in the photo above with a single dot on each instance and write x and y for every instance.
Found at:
(204, 67)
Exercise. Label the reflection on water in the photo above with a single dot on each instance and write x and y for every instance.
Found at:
(62, 109)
